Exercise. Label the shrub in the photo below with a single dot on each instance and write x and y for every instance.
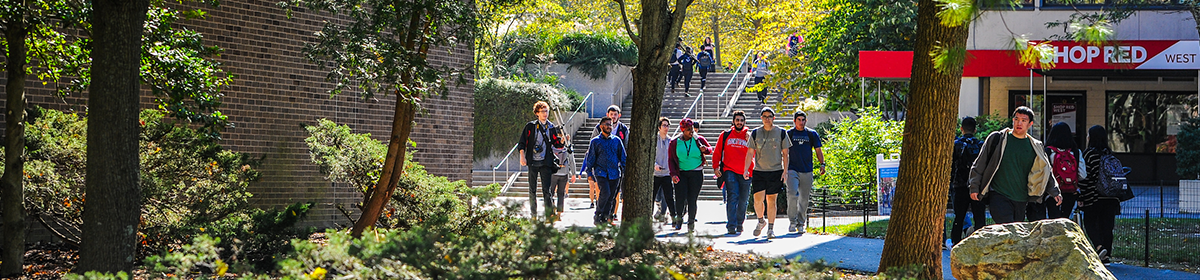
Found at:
(850, 148)
(1187, 153)
(592, 54)
(986, 124)
(420, 200)
(503, 107)
(189, 183)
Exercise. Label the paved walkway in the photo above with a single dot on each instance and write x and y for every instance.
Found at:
(860, 254)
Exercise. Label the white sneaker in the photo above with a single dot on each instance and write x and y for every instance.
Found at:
(770, 233)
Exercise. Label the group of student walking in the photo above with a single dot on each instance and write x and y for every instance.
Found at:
(684, 62)
(760, 161)
(1016, 178)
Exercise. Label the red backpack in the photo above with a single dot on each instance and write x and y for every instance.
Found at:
(1066, 169)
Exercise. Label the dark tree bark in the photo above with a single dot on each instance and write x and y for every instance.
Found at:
(656, 36)
(914, 233)
(11, 188)
(113, 198)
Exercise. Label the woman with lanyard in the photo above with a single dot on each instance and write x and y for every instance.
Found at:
(687, 164)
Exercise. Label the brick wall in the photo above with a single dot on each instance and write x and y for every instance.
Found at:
(276, 90)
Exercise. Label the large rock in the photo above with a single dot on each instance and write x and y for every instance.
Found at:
(1048, 249)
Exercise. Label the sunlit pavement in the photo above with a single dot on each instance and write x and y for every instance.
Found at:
(860, 254)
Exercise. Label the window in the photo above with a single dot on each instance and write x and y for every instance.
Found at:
(1147, 122)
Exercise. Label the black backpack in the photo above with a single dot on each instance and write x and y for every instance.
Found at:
(705, 59)
(970, 150)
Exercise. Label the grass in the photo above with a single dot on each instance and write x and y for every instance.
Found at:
(1174, 242)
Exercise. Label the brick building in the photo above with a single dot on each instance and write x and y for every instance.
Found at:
(277, 89)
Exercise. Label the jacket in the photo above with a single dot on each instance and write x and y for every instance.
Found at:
(984, 169)
(526, 142)
(702, 145)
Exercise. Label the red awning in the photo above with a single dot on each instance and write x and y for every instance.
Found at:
(980, 63)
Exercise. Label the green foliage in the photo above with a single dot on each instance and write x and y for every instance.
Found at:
(912, 271)
(850, 148)
(421, 200)
(592, 54)
(955, 13)
(345, 157)
(1187, 153)
(202, 252)
(502, 108)
(986, 124)
(188, 181)
(93, 275)
(831, 46)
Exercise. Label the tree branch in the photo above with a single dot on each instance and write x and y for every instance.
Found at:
(677, 16)
(625, 23)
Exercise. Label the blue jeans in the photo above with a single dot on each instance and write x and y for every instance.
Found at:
(737, 193)
(607, 201)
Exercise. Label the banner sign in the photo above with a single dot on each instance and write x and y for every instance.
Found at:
(1063, 112)
(887, 169)
(1140, 55)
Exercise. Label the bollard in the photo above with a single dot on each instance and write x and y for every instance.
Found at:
(866, 217)
(1147, 243)
(824, 209)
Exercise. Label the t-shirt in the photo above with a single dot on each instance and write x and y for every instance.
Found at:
(768, 148)
(1012, 178)
(539, 142)
(733, 154)
(800, 155)
(689, 154)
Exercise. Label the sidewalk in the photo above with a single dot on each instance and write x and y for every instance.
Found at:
(860, 254)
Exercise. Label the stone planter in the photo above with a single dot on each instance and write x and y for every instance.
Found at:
(1189, 196)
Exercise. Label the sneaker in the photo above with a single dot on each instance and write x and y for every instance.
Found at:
(758, 229)
(732, 231)
(660, 217)
(770, 233)
(678, 223)
(740, 229)
(792, 228)
(691, 227)
(593, 205)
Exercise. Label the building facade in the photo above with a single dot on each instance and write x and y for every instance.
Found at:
(277, 90)
(1139, 85)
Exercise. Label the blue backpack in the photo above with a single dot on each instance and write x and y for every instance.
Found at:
(1111, 180)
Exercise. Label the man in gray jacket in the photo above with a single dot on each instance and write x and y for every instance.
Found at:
(1015, 167)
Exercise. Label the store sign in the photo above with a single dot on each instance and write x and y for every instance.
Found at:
(1063, 112)
(1141, 55)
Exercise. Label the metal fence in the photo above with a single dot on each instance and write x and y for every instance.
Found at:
(1156, 227)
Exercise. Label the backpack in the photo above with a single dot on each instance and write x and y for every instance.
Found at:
(705, 60)
(687, 60)
(1066, 169)
(970, 150)
(1111, 180)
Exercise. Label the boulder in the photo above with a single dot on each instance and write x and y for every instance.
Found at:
(1047, 249)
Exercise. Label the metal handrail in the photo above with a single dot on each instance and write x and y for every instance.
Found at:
(689, 111)
(735, 71)
(510, 151)
(733, 99)
(585, 99)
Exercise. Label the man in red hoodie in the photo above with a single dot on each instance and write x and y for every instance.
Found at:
(729, 158)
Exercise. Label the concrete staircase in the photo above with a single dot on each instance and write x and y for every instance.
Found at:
(675, 105)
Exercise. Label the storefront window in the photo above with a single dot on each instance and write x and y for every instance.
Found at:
(1147, 122)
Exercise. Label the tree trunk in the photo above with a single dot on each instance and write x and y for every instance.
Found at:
(658, 32)
(114, 199)
(917, 225)
(11, 197)
(393, 167)
(716, 33)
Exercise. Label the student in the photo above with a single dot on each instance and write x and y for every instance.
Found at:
(621, 131)
(1012, 170)
(662, 170)
(566, 159)
(688, 64)
(604, 161)
(761, 69)
(1067, 162)
(728, 159)
(534, 147)
(706, 63)
(674, 74)
(805, 142)
(687, 171)
(1099, 212)
(966, 149)
(769, 157)
(711, 49)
